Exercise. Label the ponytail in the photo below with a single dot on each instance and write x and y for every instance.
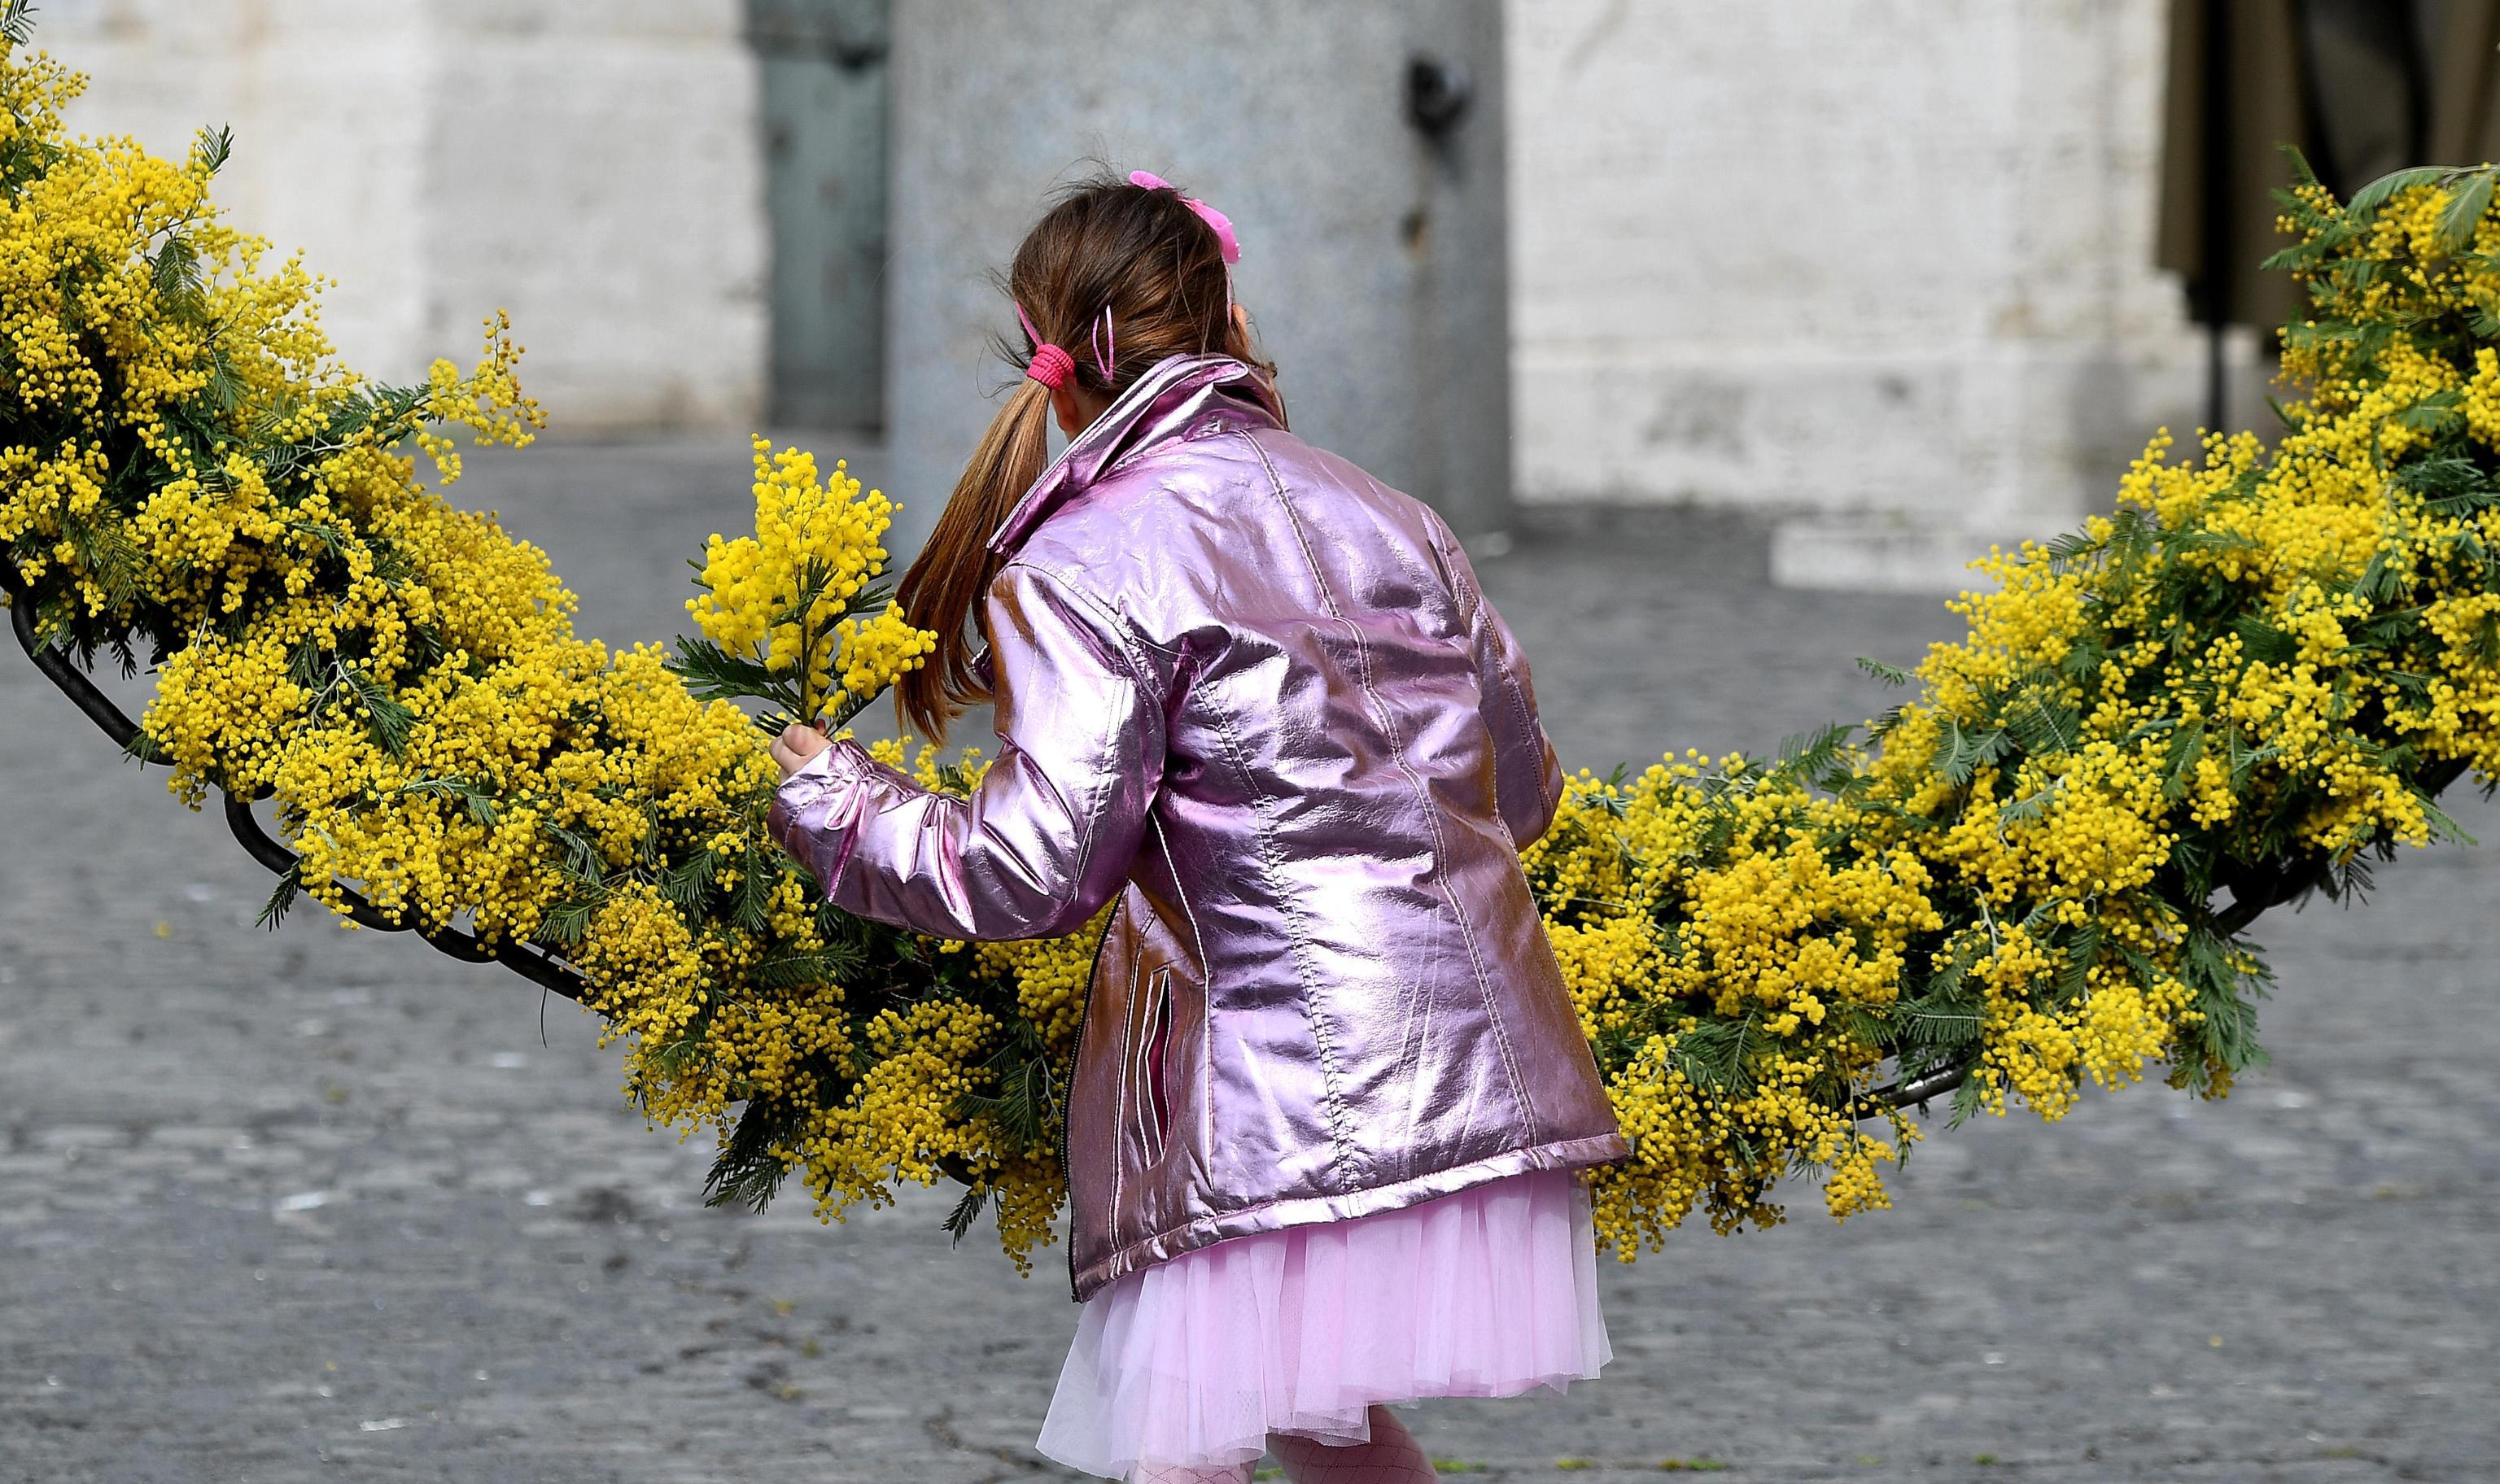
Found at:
(1117, 276)
(942, 590)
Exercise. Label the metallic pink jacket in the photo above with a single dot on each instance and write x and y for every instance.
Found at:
(1259, 697)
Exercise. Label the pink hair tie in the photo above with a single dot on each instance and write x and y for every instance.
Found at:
(1050, 366)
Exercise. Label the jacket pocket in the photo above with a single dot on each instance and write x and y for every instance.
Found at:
(1149, 1081)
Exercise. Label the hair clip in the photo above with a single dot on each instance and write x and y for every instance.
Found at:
(1230, 244)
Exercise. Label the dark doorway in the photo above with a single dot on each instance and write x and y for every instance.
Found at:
(823, 83)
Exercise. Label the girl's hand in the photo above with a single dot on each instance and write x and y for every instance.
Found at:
(795, 746)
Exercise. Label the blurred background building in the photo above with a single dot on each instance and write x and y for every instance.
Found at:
(1898, 280)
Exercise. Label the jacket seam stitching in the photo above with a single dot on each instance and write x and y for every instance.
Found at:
(1331, 1101)
(1513, 689)
(1472, 595)
(1423, 795)
(1100, 803)
(1332, 1073)
(1114, 622)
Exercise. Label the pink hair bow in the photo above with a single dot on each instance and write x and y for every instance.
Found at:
(1223, 224)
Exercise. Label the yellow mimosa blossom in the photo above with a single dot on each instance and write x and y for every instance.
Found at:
(2249, 679)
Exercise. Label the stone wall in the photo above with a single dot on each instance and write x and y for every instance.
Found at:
(1372, 254)
(1881, 268)
(590, 165)
(1877, 269)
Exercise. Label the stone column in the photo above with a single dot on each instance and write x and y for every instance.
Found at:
(1372, 245)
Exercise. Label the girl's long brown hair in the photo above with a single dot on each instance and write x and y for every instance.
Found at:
(1156, 265)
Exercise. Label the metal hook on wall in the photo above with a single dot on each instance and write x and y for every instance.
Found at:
(1438, 94)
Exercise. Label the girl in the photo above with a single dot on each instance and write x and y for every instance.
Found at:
(1330, 1089)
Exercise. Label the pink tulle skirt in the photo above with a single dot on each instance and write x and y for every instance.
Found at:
(1489, 1292)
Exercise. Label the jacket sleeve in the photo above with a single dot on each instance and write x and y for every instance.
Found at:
(1048, 836)
(1528, 775)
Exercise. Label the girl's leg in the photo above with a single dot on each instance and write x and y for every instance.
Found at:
(1192, 1473)
(1391, 1457)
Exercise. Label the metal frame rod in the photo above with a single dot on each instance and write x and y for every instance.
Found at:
(537, 966)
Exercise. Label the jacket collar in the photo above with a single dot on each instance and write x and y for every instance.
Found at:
(1172, 400)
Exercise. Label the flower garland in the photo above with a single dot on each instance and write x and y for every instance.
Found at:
(2246, 684)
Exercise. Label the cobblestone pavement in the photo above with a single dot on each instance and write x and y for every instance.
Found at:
(313, 1206)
